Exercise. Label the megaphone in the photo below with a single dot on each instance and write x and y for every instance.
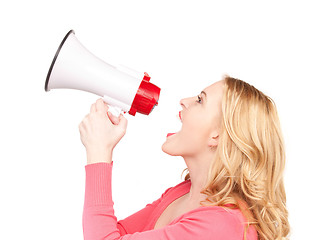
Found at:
(124, 89)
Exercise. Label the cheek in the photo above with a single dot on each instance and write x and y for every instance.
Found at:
(193, 139)
(196, 130)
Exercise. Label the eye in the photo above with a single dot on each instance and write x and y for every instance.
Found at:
(199, 99)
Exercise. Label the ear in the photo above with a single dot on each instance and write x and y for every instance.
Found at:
(213, 141)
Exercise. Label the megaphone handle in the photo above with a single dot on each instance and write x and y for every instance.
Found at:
(116, 111)
(116, 107)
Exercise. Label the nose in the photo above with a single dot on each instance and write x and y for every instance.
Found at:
(184, 102)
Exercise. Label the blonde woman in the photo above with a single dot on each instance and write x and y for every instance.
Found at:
(233, 148)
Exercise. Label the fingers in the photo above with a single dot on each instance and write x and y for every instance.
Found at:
(93, 108)
(84, 123)
(122, 122)
(115, 120)
(99, 128)
(101, 106)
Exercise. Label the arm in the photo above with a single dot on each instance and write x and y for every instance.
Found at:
(99, 221)
(98, 176)
(100, 132)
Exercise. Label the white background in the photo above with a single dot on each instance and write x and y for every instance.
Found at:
(185, 46)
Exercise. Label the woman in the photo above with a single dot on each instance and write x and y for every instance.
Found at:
(233, 148)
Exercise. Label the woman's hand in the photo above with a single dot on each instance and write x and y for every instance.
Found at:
(100, 132)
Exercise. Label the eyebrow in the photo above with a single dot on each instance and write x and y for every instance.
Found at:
(204, 93)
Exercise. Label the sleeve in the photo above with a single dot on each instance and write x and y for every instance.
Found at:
(137, 221)
(100, 223)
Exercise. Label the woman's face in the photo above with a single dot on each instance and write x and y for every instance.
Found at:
(201, 118)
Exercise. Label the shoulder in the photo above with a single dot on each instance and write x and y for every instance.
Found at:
(217, 223)
(182, 187)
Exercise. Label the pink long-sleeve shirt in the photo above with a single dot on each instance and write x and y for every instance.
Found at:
(204, 223)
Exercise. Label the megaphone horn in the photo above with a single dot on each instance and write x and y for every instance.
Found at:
(124, 89)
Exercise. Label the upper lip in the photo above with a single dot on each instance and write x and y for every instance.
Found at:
(180, 115)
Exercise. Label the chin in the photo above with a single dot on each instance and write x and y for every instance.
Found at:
(170, 150)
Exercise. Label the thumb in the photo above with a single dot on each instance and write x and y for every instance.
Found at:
(115, 120)
(122, 122)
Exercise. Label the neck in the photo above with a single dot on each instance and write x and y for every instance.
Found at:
(198, 167)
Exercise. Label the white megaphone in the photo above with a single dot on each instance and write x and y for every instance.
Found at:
(124, 89)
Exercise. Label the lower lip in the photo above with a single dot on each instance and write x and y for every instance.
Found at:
(170, 134)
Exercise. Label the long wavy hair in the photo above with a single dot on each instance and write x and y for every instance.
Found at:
(247, 171)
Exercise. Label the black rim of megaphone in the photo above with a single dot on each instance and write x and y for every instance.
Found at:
(55, 58)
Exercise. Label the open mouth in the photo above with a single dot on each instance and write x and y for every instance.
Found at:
(179, 116)
(170, 134)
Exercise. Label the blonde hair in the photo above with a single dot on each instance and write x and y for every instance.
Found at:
(250, 158)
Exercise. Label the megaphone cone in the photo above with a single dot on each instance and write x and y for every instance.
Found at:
(74, 67)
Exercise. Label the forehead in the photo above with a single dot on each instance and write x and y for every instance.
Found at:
(215, 90)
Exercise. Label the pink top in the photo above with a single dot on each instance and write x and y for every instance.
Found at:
(202, 223)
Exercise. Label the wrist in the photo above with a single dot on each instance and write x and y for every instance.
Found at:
(95, 155)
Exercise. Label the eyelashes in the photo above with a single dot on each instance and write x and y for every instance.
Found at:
(199, 99)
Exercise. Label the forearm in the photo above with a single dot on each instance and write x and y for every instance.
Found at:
(98, 213)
